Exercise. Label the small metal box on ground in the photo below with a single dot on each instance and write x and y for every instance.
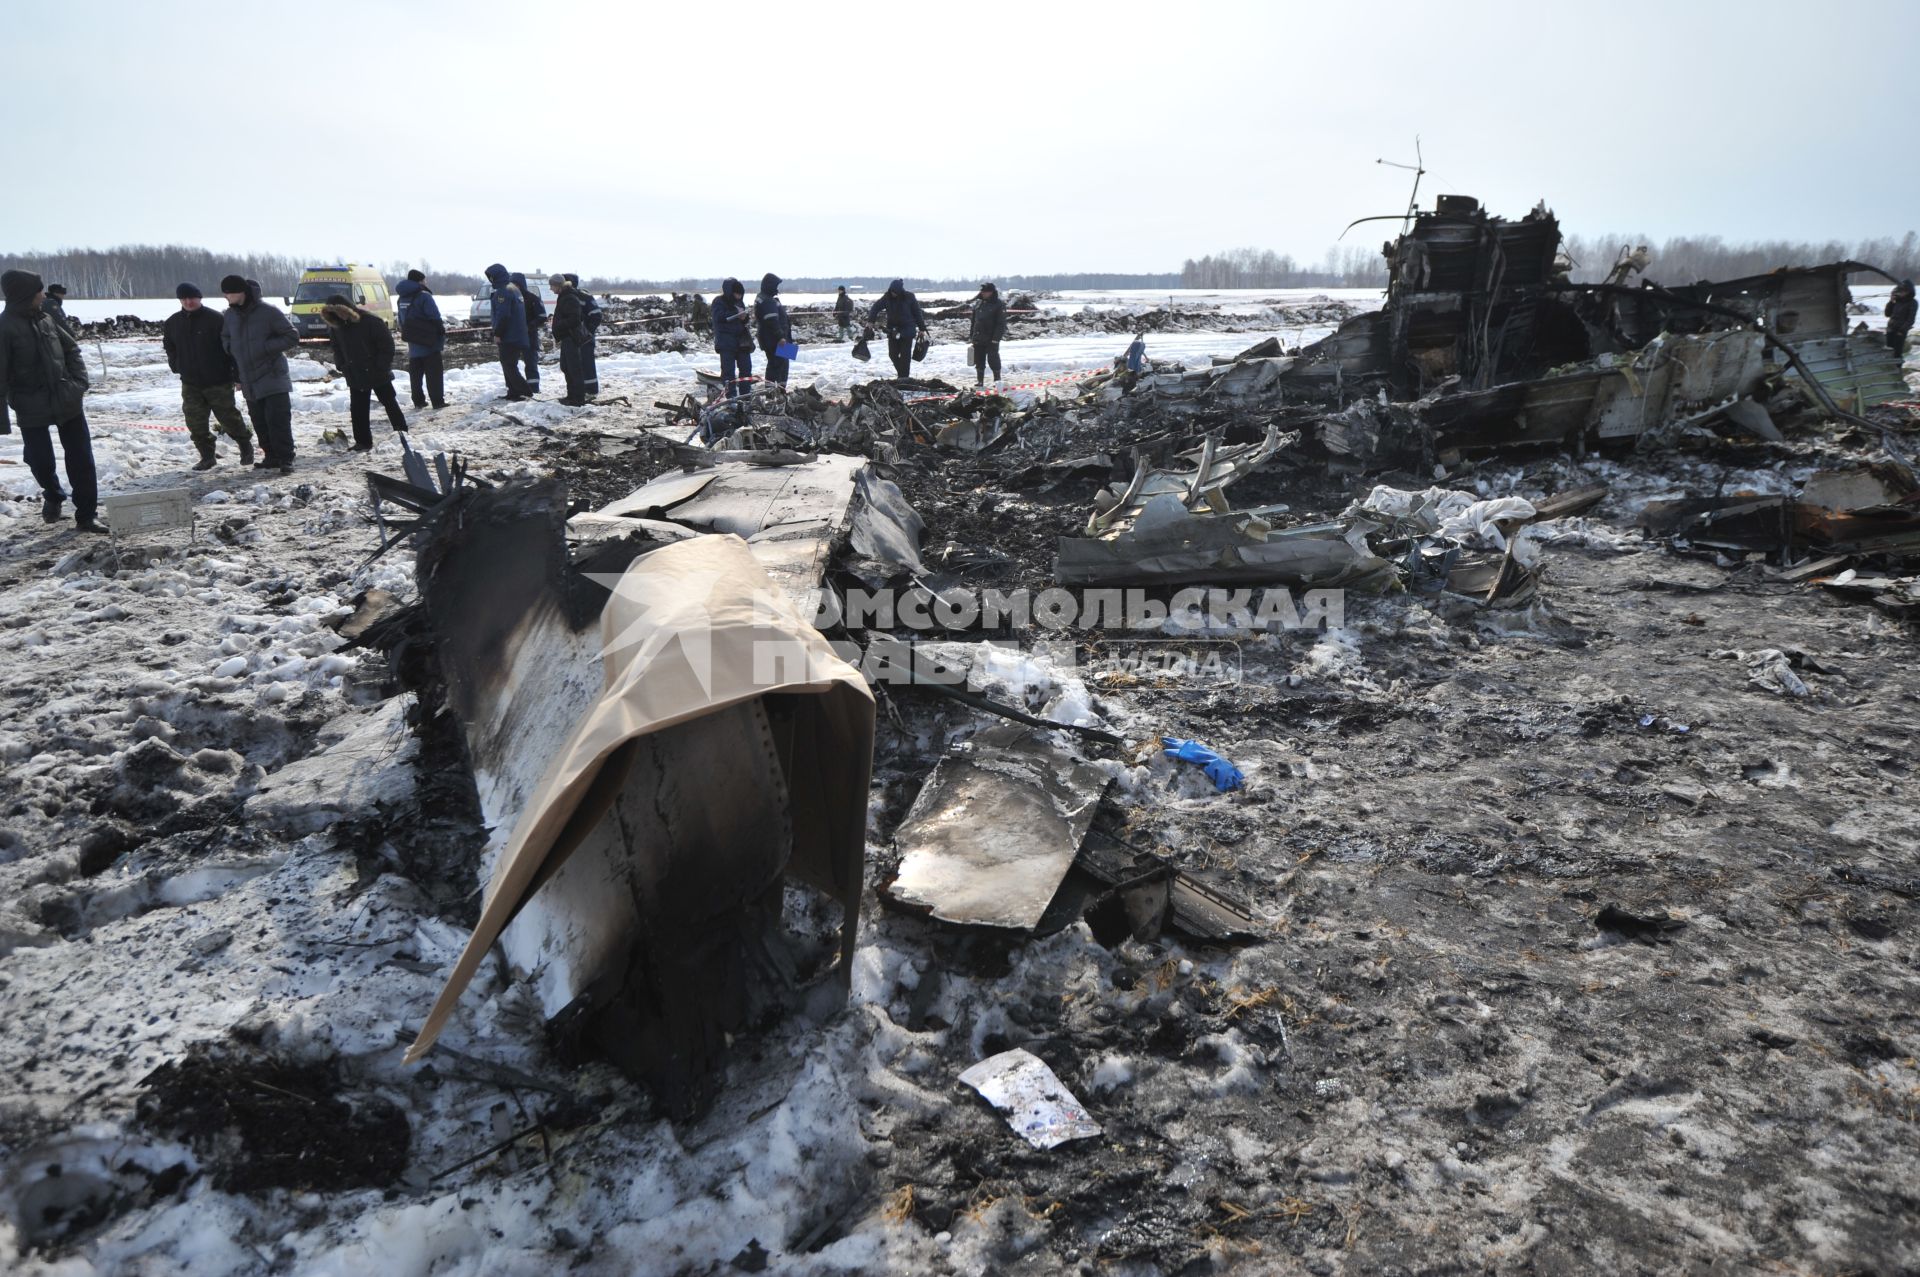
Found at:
(157, 511)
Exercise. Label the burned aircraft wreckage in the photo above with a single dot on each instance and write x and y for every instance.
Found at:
(601, 691)
(1484, 343)
(653, 782)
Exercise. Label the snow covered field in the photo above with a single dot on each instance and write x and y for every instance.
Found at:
(198, 856)
(91, 309)
(139, 441)
(1242, 301)
(142, 912)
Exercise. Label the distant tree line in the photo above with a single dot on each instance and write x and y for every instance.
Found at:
(152, 270)
(1685, 259)
(1344, 266)
(1682, 259)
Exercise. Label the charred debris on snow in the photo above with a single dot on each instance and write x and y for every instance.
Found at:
(698, 776)
(650, 790)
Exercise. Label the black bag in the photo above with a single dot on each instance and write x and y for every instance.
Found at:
(920, 345)
(861, 352)
(422, 329)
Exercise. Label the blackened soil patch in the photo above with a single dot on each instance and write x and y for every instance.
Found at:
(262, 1123)
(599, 469)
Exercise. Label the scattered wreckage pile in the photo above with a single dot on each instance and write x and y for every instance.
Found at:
(119, 326)
(1485, 344)
(1028, 319)
(1522, 919)
(606, 662)
(617, 670)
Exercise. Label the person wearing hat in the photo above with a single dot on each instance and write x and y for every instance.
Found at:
(989, 326)
(258, 337)
(426, 335)
(1900, 314)
(363, 351)
(43, 382)
(536, 317)
(904, 319)
(772, 328)
(198, 356)
(575, 318)
(843, 314)
(56, 305)
(509, 330)
(732, 339)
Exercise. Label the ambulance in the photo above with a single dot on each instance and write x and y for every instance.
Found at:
(363, 285)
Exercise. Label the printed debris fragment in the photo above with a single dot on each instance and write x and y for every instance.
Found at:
(1038, 1106)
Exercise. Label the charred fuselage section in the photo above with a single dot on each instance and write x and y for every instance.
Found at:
(1488, 344)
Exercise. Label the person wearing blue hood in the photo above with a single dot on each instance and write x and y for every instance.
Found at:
(426, 336)
(905, 320)
(536, 319)
(732, 338)
(772, 328)
(509, 331)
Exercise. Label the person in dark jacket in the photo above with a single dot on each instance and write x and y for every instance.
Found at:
(509, 330)
(702, 316)
(56, 305)
(426, 366)
(843, 314)
(258, 337)
(576, 317)
(43, 381)
(772, 327)
(1137, 353)
(1900, 314)
(732, 338)
(988, 328)
(363, 351)
(904, 319)
(198, 356)
(536, 317)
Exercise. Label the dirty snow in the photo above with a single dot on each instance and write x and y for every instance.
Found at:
(1423, 1064)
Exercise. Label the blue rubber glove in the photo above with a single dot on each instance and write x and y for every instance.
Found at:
(1224, 775)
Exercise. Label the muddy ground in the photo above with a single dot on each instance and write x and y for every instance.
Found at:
(1547, 989)
(1471, 1048)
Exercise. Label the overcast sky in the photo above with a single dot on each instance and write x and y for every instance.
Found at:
(972, 137)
